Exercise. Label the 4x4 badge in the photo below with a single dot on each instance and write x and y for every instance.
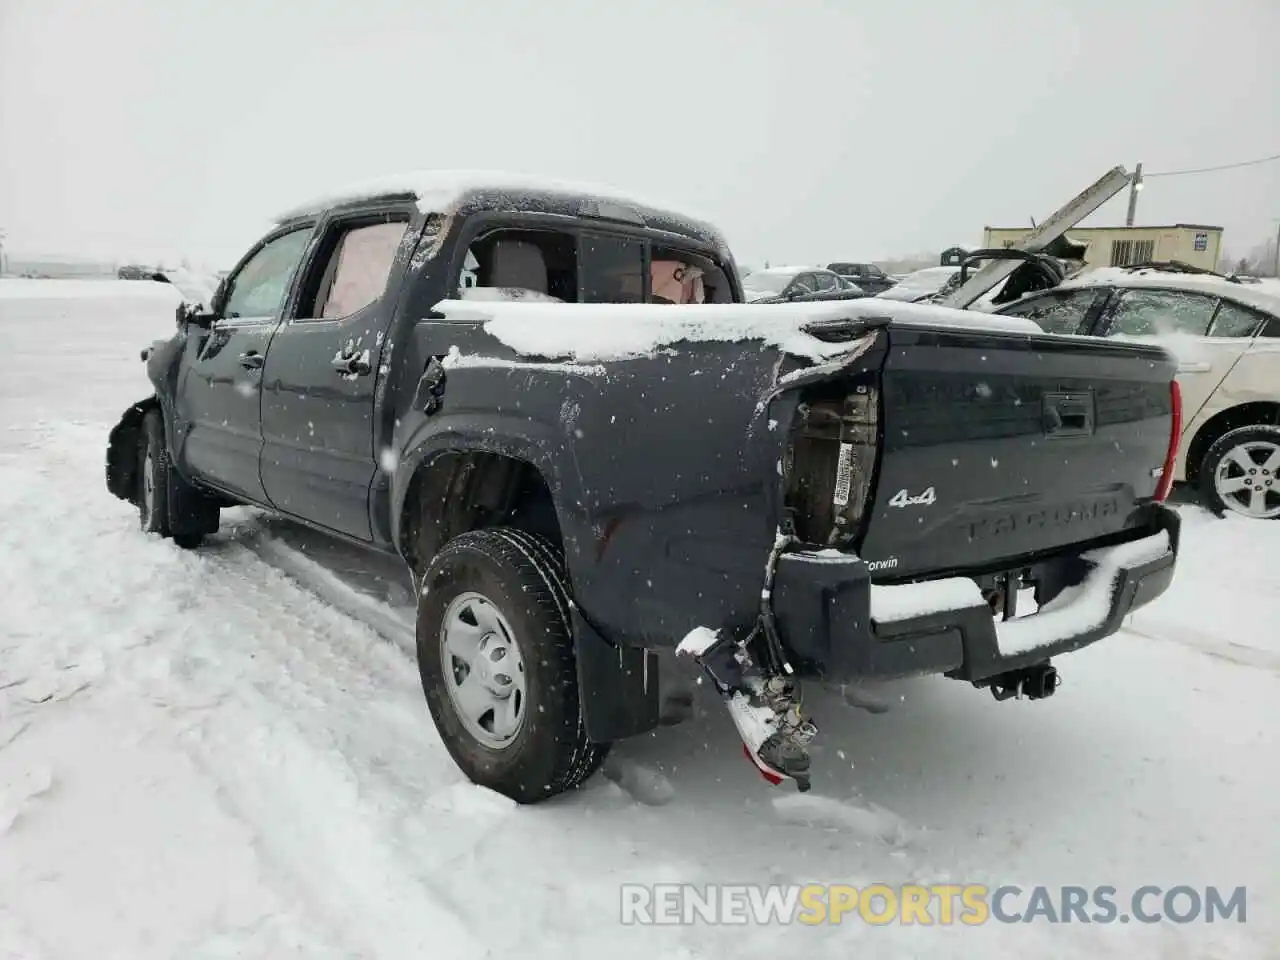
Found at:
(904, 499)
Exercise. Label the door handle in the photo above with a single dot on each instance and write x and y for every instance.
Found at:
(352, 364)
(252, 360)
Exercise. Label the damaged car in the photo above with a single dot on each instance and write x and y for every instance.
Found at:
(554, 404)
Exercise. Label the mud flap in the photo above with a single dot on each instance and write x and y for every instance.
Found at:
(122, 452)
(617, 686)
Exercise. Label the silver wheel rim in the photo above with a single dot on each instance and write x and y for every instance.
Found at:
(148, 485)
(483, 670)
(1248, 479)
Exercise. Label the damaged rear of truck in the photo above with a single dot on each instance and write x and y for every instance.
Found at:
(850, 494)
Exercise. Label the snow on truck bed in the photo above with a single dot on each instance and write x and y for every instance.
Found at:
(598, 332)
(200, 757)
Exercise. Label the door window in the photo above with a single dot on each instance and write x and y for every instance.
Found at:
(612, 269)
(1233, 320)
(1145, 313)
(1061, 313)
(357, 272)
(258, 289)
(803, 284)
(825, 281)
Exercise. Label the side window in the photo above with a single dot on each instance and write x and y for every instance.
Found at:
(1153, 312)
(874, 272)
(804, 284)
(518, 264)
(612, 269)
(825, 281)
(357, 269)
(1233, 320)
(259, 287)
(1061, 313)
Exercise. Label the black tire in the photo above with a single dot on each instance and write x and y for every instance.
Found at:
(522, 577)
(154, 479)
(1255, 439)
(153, 476)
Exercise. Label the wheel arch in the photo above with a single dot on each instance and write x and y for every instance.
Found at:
(1254, 413)
(457, 488)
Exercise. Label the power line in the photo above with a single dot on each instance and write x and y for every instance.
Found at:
(1225, 166)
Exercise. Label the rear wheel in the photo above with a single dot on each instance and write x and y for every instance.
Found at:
(1241, 472)
(154, 478)
(496, 657)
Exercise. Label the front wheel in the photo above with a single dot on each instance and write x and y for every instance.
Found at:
(154, 479)
(496, 656)
(1241, 472)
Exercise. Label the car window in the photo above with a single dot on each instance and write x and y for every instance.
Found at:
(1233, 320)
(873, 271)
(1154, 312)
(357, 271)
(804, 284)
(259, 287)
(825, 281)
(612, 269)
(1062, 312)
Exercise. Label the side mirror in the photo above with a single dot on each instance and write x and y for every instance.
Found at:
(194, 315)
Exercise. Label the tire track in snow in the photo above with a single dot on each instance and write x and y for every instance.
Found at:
(313, 731)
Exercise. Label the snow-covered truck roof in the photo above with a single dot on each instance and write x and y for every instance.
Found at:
(438, 191)
(1262, 294)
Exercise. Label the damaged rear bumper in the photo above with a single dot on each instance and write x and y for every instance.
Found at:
(841, 627)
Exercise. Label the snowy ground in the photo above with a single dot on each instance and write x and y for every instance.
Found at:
(226, 752)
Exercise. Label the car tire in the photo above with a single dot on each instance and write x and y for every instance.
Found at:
(1225, 481)
(498, 667)
(154, 479)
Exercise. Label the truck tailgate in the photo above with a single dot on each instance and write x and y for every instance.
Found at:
(998, 446)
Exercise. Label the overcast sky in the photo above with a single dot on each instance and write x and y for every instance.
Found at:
(807, 130)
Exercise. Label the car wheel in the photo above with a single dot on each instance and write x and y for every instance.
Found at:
(1241, 472)
(496, 657)
(154, 478)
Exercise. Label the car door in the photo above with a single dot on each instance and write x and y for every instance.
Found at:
(322, 371)
(1180, 321)
(217, 400)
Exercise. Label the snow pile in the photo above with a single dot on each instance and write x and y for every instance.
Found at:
(1083, 607)
(907, 600)
(586, 331)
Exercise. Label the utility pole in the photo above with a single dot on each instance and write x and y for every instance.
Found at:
(1135, 184)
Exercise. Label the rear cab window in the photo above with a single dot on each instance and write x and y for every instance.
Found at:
(548, 265)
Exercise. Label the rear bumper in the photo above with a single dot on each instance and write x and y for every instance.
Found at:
(842, 627)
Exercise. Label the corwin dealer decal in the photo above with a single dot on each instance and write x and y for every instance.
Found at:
(903, 499)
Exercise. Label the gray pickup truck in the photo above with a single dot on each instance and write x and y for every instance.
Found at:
(552, 402)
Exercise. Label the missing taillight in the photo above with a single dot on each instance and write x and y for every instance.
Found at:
(1165, 486)
(831, 461)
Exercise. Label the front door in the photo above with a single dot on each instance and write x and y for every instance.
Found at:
(219, 422)
(318, 423)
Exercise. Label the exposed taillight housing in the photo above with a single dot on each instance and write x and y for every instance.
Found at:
(1165, 486)
(831, 460)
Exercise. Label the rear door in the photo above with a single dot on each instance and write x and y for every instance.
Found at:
(323, 368)
(219, 390)
(1207, 340)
